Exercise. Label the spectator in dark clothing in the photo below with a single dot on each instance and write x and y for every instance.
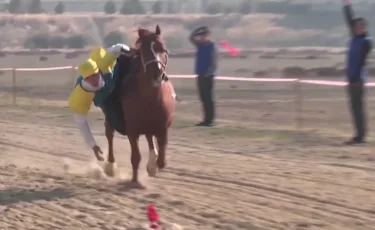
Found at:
(359, 48)
(205, 68)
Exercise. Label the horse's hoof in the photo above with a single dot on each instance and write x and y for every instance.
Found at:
(110, 169)
(152, 167)
(137, 185)
(161, 164)
(152, 170)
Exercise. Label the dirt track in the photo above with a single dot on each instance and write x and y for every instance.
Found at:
(253, 171)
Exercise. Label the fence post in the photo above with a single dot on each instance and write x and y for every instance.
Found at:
(298, 105)
(14, 87)
(73, 76)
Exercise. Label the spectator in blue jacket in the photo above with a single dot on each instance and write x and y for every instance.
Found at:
(359, 48)
(205, 69)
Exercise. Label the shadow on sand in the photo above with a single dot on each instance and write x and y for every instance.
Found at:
(16, 195)
(128, 185)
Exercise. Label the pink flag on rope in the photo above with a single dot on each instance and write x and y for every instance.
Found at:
(232, 51)
(153, 217)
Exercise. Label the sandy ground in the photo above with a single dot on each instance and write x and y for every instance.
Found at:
(254, 171)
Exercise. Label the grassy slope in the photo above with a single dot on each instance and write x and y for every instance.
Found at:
(257, 30)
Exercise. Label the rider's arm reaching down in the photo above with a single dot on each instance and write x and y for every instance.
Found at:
(83, 125)
(80, 103)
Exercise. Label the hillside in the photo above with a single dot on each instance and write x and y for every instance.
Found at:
(250, 30)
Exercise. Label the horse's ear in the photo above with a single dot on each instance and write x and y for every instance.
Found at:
(141, 32)
(157, 30)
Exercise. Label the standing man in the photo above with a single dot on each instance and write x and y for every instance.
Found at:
(359, 48)
(205, 68)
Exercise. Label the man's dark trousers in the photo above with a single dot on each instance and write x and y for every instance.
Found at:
(357, 104)
(205, 87)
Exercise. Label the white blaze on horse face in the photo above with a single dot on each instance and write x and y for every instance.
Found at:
(156, 56)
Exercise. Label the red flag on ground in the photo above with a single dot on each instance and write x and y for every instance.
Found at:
(153, 217)
(232, 51)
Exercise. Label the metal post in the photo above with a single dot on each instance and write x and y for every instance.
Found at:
(14, 87)
(73, 76)
(298, 105)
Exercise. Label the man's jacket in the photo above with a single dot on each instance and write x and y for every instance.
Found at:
(359, 48)
(206, 56)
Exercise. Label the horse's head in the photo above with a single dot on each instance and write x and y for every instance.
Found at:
(153, 54)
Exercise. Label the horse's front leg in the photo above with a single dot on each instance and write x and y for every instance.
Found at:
(109, 167)
(162, 140)
(152, 167)
(135, 155)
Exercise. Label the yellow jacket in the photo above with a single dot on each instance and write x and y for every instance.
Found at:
(100, 60)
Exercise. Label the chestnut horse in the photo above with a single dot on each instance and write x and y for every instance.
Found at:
(147, 103)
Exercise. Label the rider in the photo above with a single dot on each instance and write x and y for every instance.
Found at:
(95, 83)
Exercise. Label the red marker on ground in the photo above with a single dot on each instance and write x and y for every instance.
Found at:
(153, 217)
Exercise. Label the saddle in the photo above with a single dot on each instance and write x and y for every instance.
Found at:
(112, 107)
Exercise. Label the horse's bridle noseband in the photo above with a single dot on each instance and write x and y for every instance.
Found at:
(155, 60)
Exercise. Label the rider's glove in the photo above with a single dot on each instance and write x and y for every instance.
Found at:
(118, 48)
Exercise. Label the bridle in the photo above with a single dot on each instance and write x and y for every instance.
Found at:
(162, 66)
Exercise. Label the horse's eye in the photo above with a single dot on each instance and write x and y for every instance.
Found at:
(160, 48)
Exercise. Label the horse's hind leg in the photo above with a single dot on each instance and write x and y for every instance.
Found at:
(109, 168)
(153, 155)
(135, 155)
(162, 140)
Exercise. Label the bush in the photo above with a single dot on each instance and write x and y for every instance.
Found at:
(77, 41)
(228, 10)
(56, 42)
(327, 71)
(110, 7)
(132, 7)
(35, 7)
(204, 3)
(175, 42)
(213, 8)
(157, 7)
(114, 37)
(171, 7)
(14, 6)
(59, 8)
(44, 41)
(293, 71)
(37, 41)
(245, 7)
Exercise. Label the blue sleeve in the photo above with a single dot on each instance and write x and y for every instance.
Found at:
(79, 79)
(349, 16)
